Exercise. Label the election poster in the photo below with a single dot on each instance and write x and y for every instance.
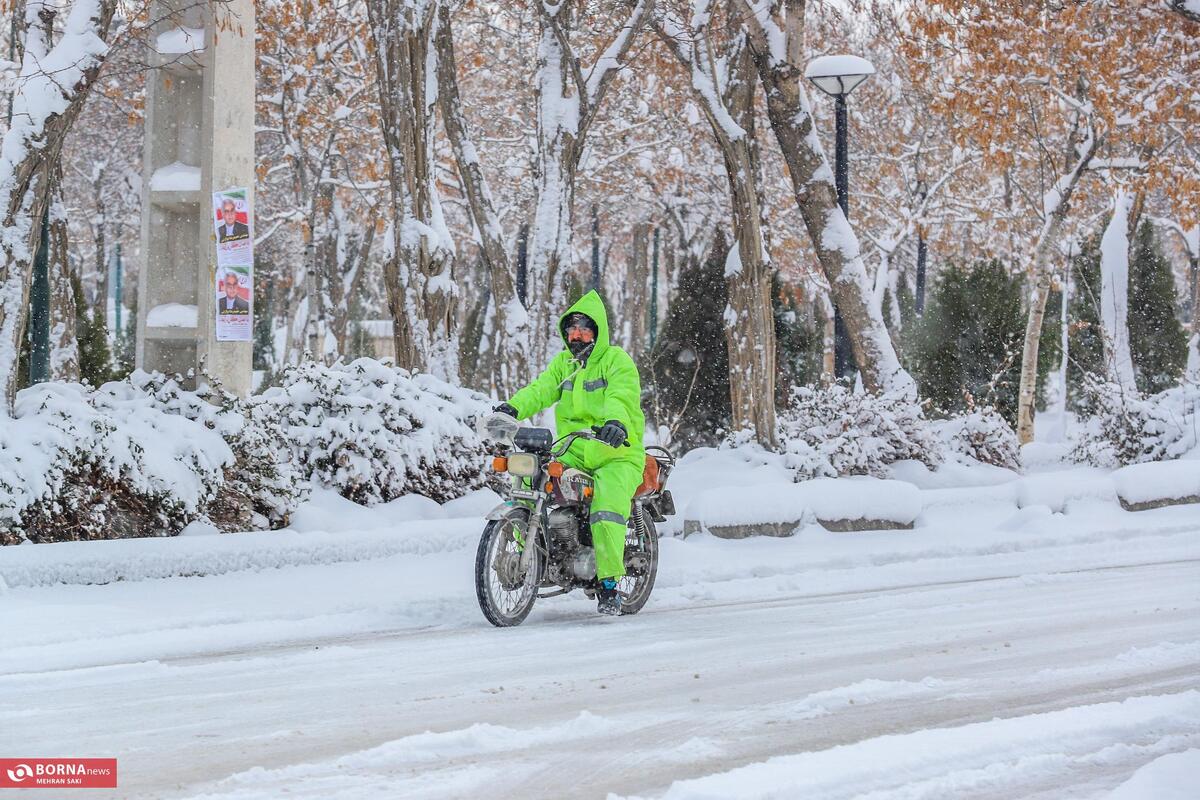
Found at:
(234, 229)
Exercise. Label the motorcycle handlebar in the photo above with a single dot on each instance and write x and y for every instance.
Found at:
(571, 437)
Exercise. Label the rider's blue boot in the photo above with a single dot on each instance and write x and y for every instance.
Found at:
(609, 599)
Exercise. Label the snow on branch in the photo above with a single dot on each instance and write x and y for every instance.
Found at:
(1190, 9)
(1054, 200)
(763, 26)
(611, 59)
(684, 42)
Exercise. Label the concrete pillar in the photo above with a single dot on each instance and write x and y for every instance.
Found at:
(227, 145)
(199, 138)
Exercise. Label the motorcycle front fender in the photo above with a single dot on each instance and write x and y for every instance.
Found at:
(499, 511)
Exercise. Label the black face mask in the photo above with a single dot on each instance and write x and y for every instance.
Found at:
(580, 349)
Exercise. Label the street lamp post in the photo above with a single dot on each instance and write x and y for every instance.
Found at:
(837, 76)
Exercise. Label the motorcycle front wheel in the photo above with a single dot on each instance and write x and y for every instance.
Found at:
(506, 593)
(644, 544)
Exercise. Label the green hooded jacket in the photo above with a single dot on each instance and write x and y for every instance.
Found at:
(606, 386)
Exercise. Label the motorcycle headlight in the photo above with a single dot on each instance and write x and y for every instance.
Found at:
(522, 465)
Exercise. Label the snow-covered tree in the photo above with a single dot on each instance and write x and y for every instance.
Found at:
(55, 79)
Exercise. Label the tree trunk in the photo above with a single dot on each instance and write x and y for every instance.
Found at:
(1114, 294)
(1193, 361)
(777, 55)
(730, 111)
(64, 342)
(101, 232)
(32, 143)
(422, 296)
(637, 291)
(510, 332)
(1040, 269)
(351, 261)
(828, 342)
(559, 149)
(749, 319)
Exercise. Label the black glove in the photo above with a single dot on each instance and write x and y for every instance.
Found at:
(505, 408)
(612, 434)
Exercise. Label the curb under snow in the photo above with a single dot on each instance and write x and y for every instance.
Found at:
(107, 561)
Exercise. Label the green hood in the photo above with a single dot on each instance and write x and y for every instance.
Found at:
(593, 306)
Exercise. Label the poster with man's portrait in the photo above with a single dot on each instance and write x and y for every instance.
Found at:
(234, 234)
(235, 301)
(234, 227)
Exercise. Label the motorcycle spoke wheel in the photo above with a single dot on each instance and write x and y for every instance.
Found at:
(636, 588)
(506, 595)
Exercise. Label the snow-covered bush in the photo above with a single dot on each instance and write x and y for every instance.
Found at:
(262, 486)
(375, 432)
(981, 434)
(832, 431)
(1129, 428)
(78, 463)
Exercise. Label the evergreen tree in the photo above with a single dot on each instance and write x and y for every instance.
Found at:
(797, 342)
(91, 332)
(687, 384)
(263, 356)
(125, 344)
(970, 337)
(1156, 337)
(1157, 340)
(1086, 332)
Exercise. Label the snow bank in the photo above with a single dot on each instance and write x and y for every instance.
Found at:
(862, 500)
(777, 509)
(379, 771)
(1171, 777)
(1057, 490)
(100, 562)
(1158, 483)
(329, 511)
(960, 761)
(749, 505)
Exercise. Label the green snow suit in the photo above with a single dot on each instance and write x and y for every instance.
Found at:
(606, 386)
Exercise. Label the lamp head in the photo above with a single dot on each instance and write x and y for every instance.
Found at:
(838, 75)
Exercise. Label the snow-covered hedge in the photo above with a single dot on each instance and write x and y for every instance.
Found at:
(832, 431)
(1127, 427)
(263, 485)
(375, 432)
(139, 457)
(984, 435)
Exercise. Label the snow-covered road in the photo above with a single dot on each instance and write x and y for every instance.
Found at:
(1018, 664)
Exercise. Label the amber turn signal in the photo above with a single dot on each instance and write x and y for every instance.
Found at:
(555, 469)
(549, 487)
(500, 464)
(587, 493)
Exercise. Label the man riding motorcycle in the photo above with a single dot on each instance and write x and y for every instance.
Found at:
(596, 385)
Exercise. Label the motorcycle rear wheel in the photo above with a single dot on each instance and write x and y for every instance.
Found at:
(636, 588)
(506, 595)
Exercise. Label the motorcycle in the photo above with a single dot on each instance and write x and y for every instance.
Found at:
(538, 543)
